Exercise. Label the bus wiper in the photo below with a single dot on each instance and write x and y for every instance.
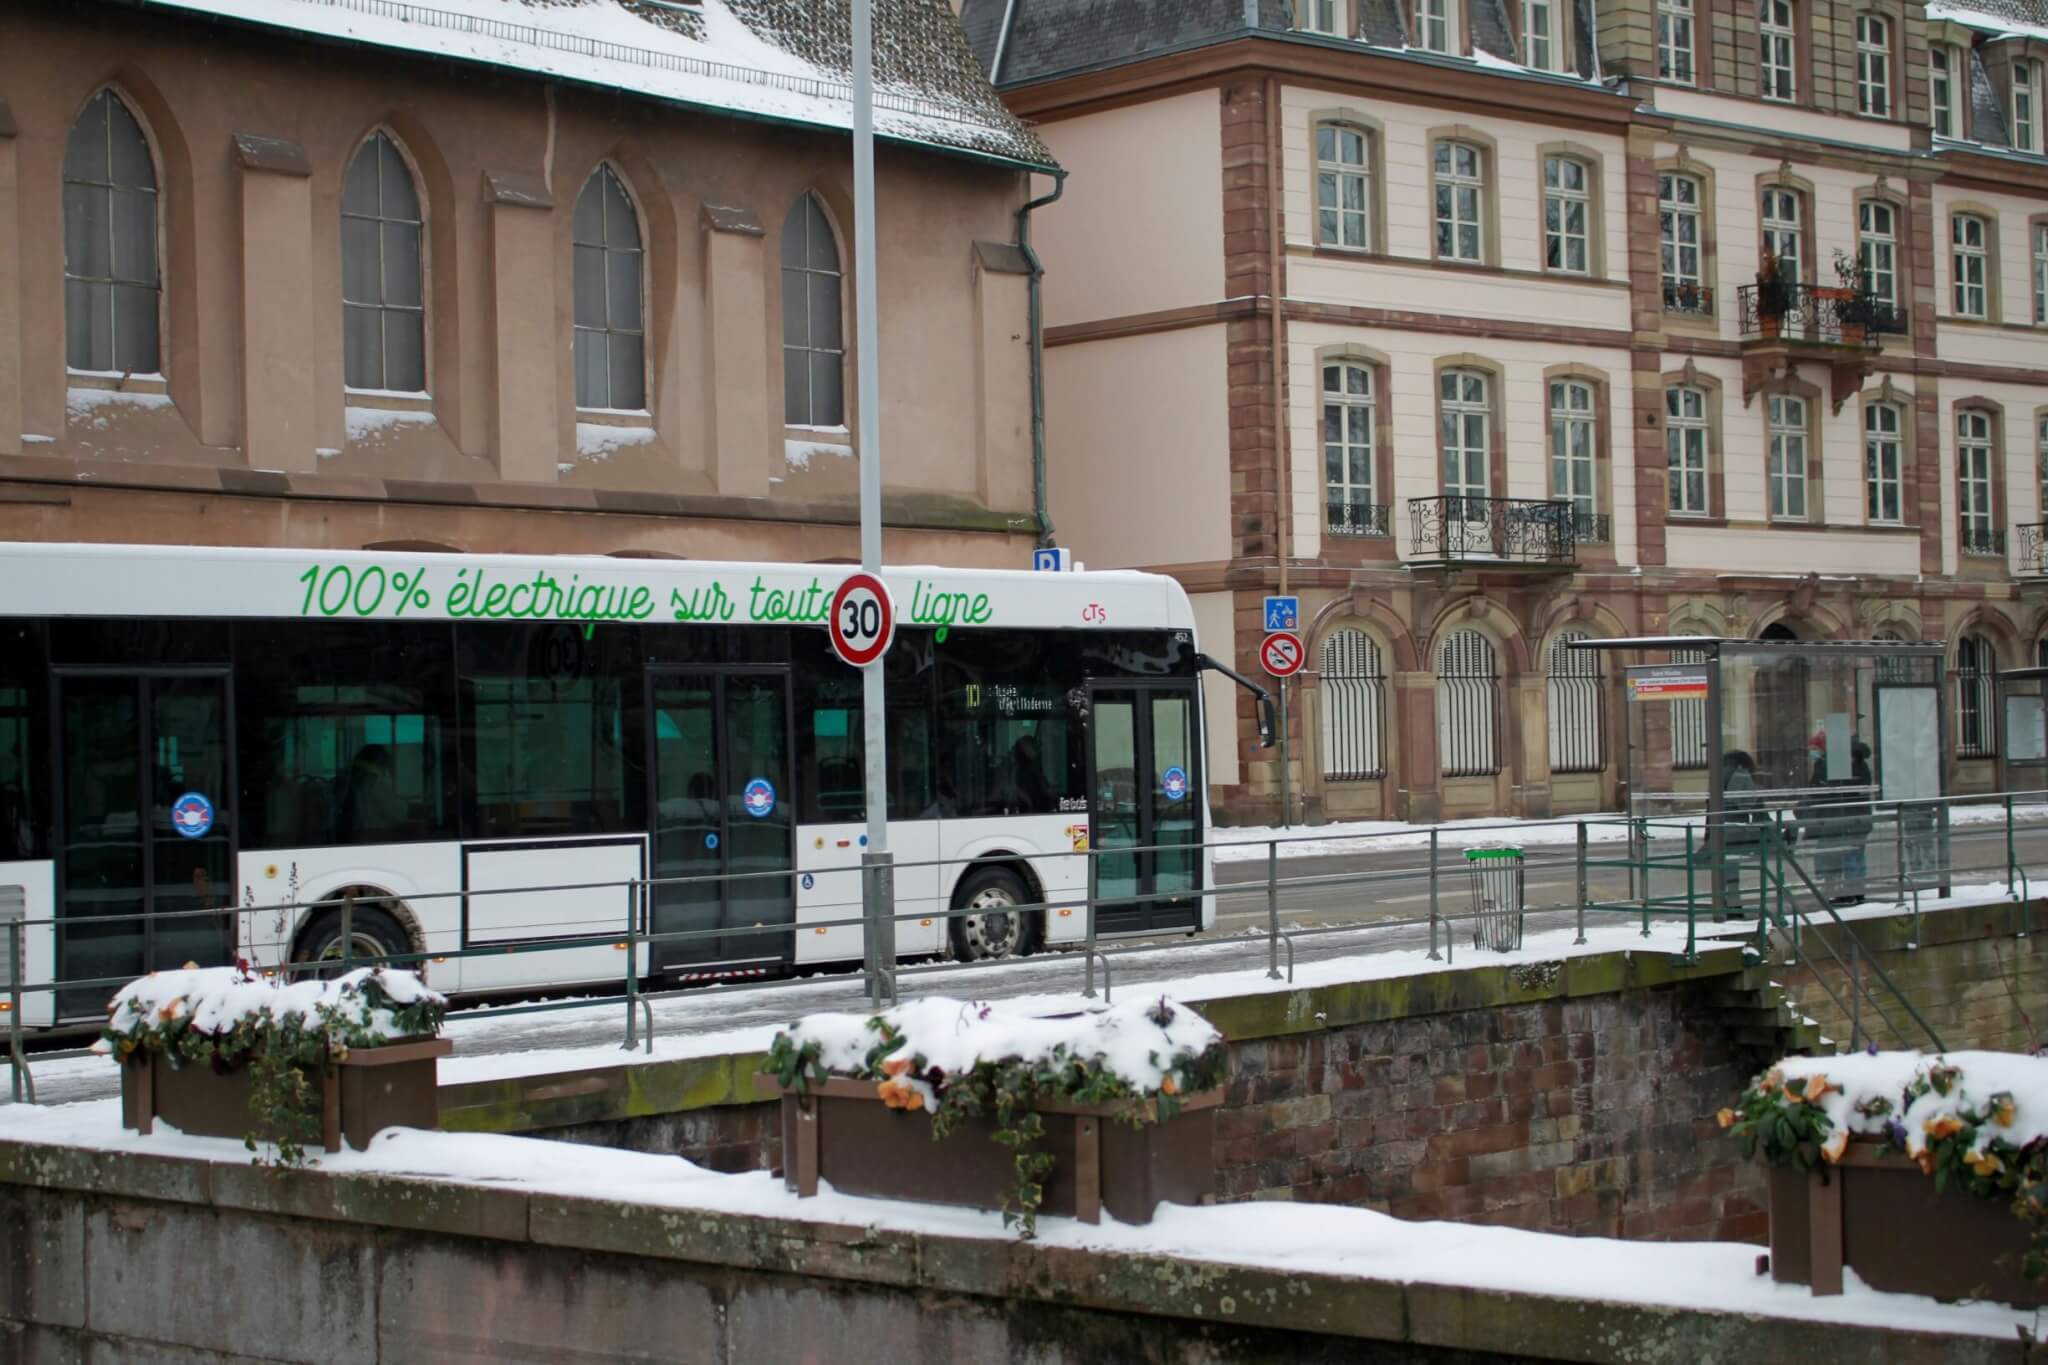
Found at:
(1265, 697)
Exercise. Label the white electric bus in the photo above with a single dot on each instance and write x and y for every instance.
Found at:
(189, 728)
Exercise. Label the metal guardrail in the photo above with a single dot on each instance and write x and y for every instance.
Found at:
(1671, 875)
(1986, 542)
(1371, 520)
(1813, 313)
(2032, 547)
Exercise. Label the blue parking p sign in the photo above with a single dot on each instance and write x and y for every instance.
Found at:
(1283, 613)
(1049, 560)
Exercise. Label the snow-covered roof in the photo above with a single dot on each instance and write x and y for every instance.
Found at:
(2012, 18)
(782, 60)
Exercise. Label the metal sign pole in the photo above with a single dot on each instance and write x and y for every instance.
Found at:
(876, 902)
(1286, 796)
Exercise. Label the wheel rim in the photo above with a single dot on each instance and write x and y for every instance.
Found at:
(995, 929)
(365, 950)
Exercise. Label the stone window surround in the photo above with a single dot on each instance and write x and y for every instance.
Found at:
(1717, 482)
(1496, 424)
(1489, 190)
(2037, 295)
(2040, 464)
(1603, 450)
(1909, 449)
(1596, 206)
(1344, 24)
(1375, 180)
(1803, 91)
(643, 416)
(1809, 247)
(1816, 487)
(1311, 690)
(1902, 252)
(1894, 36)
(1458, 26)
(1994, 411)
(1363, 549)
(1710, 262)
(1994, 304)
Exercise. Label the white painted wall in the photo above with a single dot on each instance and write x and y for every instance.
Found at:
(1140, 228)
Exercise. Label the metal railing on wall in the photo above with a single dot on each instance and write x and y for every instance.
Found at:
(1789, 871)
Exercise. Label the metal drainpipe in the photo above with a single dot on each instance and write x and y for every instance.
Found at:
(1038, 495)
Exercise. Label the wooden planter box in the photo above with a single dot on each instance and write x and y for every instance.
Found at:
(1877, 1213)
(369, 1090)
(842, 1132)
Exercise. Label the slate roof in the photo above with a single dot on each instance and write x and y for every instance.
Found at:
(783, 60)
(1051, 38)
(2019, 13)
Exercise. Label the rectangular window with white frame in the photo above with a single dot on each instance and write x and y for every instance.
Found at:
(1573, 430)
(1789, 440)
(1680, 241)
(1435, 25)
(1873, 66)
(1778, 44)
(1785, 232)
(1343, 187)
(1877, 252)
(2041, 459)
(1323, 16)
(1969, 264)
(1883, 481)
(1460, 203)
(1467, 436)
(2040, 240)
(2026, 109)
(1674, 41)
(1974, 457)
(1349, 485)
(1540, 41)
(1685, 444)
(1941, 89)
(1567, 208)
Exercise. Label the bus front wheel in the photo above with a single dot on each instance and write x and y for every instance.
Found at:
(993, 926)
(374, 937)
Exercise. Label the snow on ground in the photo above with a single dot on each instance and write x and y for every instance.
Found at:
(1323, 1239)
(1244, 843)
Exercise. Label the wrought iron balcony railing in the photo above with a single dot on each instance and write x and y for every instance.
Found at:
(1510, 530)
(1366, 519)
(2031, 542)
(1805, 312)
(1987, 542)
(1593, 528)
(1685, 297)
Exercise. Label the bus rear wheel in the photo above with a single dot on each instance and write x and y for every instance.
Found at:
(374, 938)
(994, 928)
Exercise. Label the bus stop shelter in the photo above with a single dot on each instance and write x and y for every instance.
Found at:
(2023, 730)
(1740, 731)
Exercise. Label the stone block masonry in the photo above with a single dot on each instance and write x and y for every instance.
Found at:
(1589, 1115)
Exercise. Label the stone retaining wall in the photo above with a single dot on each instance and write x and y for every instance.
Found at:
(116, 1257)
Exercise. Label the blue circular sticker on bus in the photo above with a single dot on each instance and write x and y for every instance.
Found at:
(1174, 782)
(758, 796)
(711, 841)
(192, 815)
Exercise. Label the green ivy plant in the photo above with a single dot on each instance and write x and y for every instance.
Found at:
(1782, 1119)
(282, 1053)
(1008, 1090)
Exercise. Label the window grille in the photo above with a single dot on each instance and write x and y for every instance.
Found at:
(1578, 707)
(1689, 721)
(1468, 704)
(1354, 694)
(1975, 665)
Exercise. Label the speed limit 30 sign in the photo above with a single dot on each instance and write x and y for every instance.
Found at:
(863, 620)
(1281, 654)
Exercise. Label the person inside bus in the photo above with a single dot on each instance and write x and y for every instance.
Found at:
(372, 803)
(1027, 774)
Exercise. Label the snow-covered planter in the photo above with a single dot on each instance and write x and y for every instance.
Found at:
(1926, 1175)
(1066, 1115)
(224, 1052)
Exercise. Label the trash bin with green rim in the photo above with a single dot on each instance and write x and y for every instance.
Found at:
(1496, 897)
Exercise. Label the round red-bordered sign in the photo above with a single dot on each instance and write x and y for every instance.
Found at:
(863, 619)
(1281, 654)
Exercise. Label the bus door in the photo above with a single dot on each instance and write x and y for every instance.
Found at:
(1145, 804)
(721, 805)
(145, 826)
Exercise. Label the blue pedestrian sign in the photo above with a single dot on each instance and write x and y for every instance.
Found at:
(1283, 613)
(1052, 560)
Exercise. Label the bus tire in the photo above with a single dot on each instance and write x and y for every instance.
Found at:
(998, 930)
(377, 938)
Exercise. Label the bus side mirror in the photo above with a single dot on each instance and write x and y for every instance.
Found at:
(1264, 698)
(1266, 725)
